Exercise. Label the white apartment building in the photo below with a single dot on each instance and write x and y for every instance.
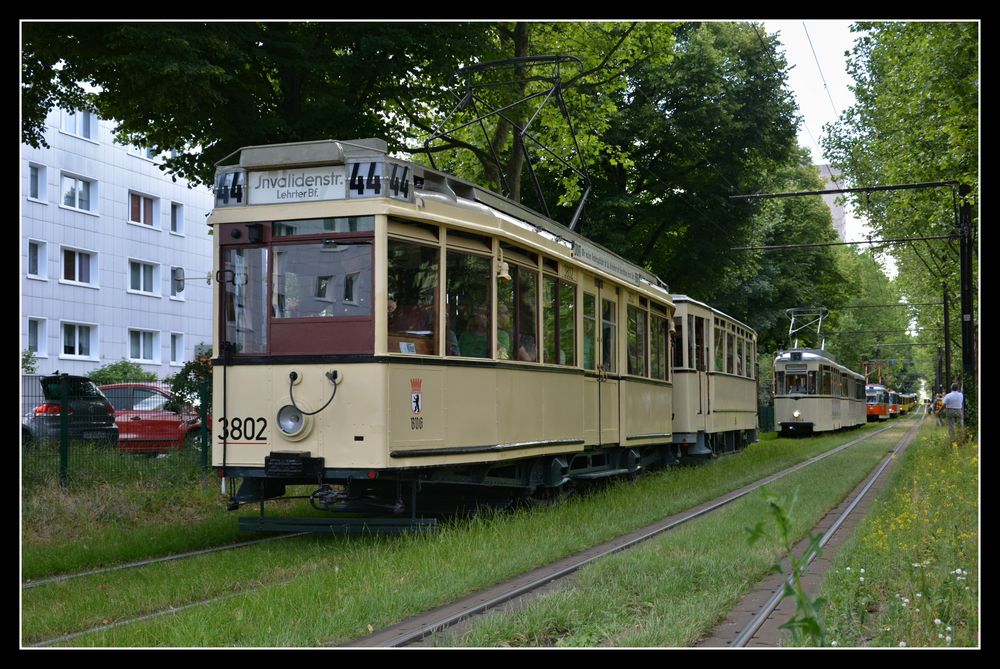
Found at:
(102, 228)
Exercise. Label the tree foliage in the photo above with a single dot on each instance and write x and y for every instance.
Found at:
(123, 371)
(916, 119)
(207, 89)
(712, 122)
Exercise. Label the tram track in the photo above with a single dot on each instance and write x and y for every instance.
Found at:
(448, 614)
(413, 631)
(763, 628)
(150, 561)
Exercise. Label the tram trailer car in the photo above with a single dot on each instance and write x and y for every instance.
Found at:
(814, 393)
(715, 379)
(877, 397)
(384, 329)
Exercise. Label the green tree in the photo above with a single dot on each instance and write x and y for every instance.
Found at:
(769, 283)
(207, 89)
(29, 362)
(607, 57)
(714, 120)
(123, 371)
(915, 120)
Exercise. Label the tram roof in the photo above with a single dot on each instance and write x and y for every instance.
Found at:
(428, 180)
(677, 297)
(812, 355)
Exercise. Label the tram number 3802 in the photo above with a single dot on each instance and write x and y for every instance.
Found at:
(240, 429)
(417, 423)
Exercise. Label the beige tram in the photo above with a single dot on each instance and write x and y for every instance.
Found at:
(385, 328)
(715, 379)
(814, 393)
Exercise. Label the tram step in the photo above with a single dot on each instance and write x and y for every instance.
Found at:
(337, 525)
(589, 476)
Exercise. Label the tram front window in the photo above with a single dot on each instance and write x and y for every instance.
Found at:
(244, 278)
(797, 384)
(322, 280)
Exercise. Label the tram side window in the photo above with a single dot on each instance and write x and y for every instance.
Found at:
(719, 349)
(244, 277)
(412, 293)
(517, 324)
(468, 315)
(827, 388)
(779, 383)
(609, 329)
(739, 356)
(680, 335)
(701, 352)
(589, 330)
(559, 321)
(730, 345)
(812, 382)
(638, 351)
(659, 335)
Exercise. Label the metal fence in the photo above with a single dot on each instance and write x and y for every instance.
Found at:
(75, 432)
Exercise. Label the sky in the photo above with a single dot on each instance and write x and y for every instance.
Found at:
(818, 77)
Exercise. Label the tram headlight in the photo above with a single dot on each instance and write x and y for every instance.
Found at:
(291, 421)
(796, 413)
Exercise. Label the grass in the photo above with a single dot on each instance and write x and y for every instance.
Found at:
(666, 593)
(346, 584)
(909, 576)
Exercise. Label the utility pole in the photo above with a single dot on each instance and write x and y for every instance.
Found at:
(968, 325)
(947, 338)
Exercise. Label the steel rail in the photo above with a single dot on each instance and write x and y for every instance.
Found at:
(143, 563)
(744, 637)
(478, 604)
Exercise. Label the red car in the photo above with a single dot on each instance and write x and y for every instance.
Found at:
(151, 419)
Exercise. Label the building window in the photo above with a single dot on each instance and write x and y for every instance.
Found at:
(78, 340)
(79, 267)
(38, 336)
(143, 277)
(142, 345)
(80, 123)
(78, 193)
(176, 348)
(177, 218)
(37, 182)
(140, 209)
(147, 153)
(37, 260)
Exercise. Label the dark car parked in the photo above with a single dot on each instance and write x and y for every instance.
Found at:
(90, 416)
(152, 419)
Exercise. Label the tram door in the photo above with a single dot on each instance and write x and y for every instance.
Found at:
(600, 360)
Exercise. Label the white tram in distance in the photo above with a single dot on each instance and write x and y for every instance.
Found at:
(813, 393)
(715, 379)
(385, 329)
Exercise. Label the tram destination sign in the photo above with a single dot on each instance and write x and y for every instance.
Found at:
(606, 261)
(297, 185)
(334, 182)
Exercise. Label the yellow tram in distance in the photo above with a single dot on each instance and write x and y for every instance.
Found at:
(384, 329)
(813, 393)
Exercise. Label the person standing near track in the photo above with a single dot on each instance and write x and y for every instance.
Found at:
(952, 408)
